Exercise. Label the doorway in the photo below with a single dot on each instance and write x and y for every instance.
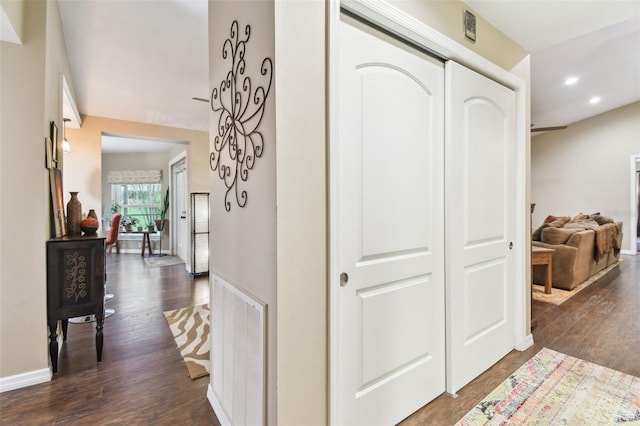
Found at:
(635, 204)
(179, 207)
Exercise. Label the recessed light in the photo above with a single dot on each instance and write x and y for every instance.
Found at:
(594, 100)
(571, 81)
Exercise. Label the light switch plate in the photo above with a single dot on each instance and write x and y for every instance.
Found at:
(470, 26)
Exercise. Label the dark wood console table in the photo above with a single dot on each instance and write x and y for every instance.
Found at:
(75, 286)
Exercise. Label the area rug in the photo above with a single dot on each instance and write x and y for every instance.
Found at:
(558, 296)
(190, 328)
(556, 389)
(155, 261)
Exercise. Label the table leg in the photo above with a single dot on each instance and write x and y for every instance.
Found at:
(144, 242)
(148, 243)
(547, 281)
(53, 345)
(99, 336)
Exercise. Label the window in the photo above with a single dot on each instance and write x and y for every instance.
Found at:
(139, 203)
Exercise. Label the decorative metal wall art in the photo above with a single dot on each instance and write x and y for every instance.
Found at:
(238, 143)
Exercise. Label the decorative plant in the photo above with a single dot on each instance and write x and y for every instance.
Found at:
(165, 206)
(163, 212)
(115, 208)
(127, 224)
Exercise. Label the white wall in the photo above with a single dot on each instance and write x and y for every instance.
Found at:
(11, 15)
(586, 168)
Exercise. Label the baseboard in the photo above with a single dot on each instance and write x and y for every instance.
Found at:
(628, 252)
(217, 408)
(25, 379)
(528, 342)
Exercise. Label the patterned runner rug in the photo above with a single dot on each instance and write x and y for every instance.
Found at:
(558, 296)
(190, 328)
(556, 389)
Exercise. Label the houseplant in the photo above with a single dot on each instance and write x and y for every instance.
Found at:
(160, 223)
(135, 222)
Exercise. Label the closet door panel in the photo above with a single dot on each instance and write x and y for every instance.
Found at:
(390, 323)
(479, 214)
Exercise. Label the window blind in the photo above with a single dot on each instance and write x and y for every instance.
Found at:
(134, 176)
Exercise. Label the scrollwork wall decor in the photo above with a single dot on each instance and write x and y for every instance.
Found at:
(238, 143)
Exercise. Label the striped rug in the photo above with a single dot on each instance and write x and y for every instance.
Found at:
(190, 329)
(556, 389)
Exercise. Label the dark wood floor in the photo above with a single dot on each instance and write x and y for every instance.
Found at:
(601, 324)
(142, 379)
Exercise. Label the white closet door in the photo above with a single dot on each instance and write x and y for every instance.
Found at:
(480, 174)
(391, 358)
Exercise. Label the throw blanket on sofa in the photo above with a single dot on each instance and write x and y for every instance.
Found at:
(607, 239)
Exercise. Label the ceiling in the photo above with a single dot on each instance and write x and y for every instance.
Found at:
(113, 144)
(144, 61)
(139, 61)
(597, 41)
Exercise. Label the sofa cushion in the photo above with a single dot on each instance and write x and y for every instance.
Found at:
(601, 220)
(556, 222)
(551, 218)
(583, 224)
(579, 216)
(551, 235)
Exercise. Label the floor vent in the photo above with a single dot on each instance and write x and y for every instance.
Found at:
(237, 355)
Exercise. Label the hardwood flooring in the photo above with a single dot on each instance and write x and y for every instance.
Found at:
(601, 324)
(142, 379)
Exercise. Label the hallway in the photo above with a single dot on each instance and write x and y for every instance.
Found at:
(142, 379)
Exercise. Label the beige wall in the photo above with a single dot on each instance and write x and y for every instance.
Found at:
(446, 17)
(30, 85)
(587, 168)
(302, 213)
(302, 199)
(83, 165)
(243, 240)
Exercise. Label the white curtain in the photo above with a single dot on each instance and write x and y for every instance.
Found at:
(134, 176)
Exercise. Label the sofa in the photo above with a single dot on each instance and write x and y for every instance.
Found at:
(584, 245)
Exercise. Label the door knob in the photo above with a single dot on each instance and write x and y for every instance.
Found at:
(344, 279)
(510, 245)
